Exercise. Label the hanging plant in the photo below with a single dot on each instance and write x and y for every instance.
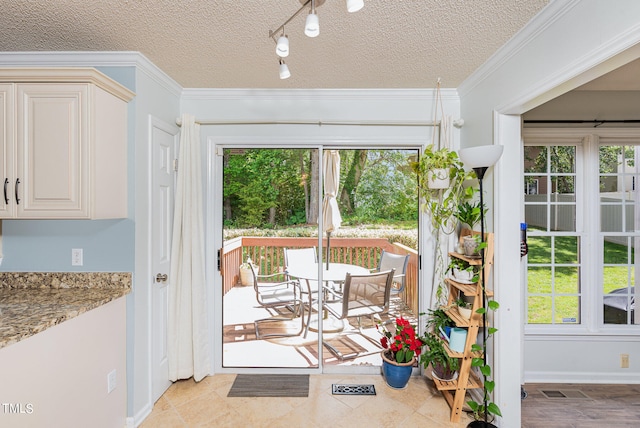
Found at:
(442, 203)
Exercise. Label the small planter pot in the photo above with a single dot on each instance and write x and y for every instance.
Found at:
(246, 276)
(464, 312)
(396, 375)
(481, 424)
(462, 275)
(438, 178)
(470, 245)
(442, 373)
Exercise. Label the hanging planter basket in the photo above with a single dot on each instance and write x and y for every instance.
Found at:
(438, 178)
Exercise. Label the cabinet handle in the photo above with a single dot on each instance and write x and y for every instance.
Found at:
(6, 198)
(17, 199)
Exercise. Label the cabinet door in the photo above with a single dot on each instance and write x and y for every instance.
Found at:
(52, 150)
(7, 152)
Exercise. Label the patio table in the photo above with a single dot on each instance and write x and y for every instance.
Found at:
(336, 273)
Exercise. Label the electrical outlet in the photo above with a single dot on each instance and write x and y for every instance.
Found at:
(76, 257)
(111, 381)
(624, 361)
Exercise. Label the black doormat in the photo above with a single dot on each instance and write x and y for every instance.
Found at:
(270, 385)
(339, 389)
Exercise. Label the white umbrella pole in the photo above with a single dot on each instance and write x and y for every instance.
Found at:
(328, 248)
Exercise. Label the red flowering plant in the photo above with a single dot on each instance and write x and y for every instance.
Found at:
(402, 345)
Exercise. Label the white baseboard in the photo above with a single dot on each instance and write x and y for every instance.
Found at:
(140, 416)
(565, 377)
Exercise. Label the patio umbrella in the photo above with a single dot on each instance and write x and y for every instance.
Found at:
(331, 218)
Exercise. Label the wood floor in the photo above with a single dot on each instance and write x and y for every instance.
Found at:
(584, 406)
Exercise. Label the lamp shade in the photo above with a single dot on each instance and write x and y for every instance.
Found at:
(284, 70)
(312, 26)
(354, 5)
(282, 47)
(480, 156)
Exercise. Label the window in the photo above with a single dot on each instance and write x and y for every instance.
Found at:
(580, 206)
(553, 274)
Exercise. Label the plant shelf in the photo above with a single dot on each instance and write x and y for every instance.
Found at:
(454, 391)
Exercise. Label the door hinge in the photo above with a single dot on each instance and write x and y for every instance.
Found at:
(175, 164)
(220, 259)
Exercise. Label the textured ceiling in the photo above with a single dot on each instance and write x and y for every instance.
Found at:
(225, 44)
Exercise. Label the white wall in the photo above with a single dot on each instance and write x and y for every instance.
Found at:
(569, 43)
(156, 96)
(62, 373)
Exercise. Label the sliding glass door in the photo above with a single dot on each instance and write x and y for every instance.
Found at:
(284, 258)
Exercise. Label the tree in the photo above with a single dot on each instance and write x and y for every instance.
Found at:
(351, 181)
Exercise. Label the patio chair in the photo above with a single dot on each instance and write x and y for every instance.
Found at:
(278, 295)
(362, 295)
(302, 257)
(398, 262)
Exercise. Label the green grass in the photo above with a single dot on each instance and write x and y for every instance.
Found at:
(567, 277)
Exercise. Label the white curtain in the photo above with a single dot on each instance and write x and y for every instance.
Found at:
(188, 342)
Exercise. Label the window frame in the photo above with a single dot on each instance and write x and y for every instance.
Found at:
(591, 262)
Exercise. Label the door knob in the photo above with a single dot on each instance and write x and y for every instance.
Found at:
(161, 277)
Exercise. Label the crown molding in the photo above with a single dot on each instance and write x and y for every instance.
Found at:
(320, 94)
(91, 59)
(545, 18)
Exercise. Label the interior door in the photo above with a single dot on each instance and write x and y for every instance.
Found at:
(164, 140)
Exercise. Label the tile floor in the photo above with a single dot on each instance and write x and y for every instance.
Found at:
(205, 404)
(585, 406)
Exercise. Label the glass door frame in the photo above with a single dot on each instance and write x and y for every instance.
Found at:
(214, 238)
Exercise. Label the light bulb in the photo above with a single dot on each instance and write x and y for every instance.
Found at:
(354, 5)
(312, 26)
(284, 70)
(282, 48)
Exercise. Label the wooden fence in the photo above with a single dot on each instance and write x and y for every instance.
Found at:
(268, 254)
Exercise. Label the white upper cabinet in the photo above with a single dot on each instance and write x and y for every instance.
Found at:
(63, 144)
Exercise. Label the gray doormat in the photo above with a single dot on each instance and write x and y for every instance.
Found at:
(269, 385)
(341, 389)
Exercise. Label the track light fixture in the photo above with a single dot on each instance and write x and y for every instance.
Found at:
(354, 5)
(312, 25)
(282, 47)
(311, 28)
(284, 70)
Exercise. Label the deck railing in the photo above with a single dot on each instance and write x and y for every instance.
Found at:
(268, 254)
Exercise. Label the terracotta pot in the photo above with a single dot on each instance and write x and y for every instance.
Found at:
(396, 375)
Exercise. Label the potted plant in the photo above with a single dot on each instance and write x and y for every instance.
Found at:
(437, 320)
(246, 276)
(443, 366)
(462, 271)
(464, 307)
(468, 213)
(441, 202)
(471, 245)
(401, 348)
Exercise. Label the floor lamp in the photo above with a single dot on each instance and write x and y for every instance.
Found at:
(480, 159)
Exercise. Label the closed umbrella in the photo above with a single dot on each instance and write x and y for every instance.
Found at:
(331, 218)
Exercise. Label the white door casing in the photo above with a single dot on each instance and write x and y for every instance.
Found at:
(164, 141)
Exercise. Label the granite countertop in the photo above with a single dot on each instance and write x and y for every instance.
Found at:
(32, 302)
